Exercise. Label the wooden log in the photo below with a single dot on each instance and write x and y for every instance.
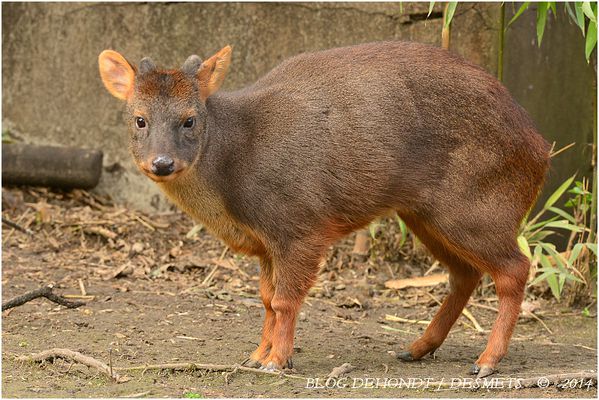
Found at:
(59, 167)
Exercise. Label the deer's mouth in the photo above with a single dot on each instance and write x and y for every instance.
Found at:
(164, 178)
(178, 170)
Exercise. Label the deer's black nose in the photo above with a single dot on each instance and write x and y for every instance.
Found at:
(163, 165)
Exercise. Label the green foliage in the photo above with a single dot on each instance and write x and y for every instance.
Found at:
(558, 268)
(192, 395)
(543, 9)
(6, 137)
(449, 13)
(584, 16)
(403, 229)
(430, 8)
(374, 226)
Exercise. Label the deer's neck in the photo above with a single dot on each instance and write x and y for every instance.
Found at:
(196, 191)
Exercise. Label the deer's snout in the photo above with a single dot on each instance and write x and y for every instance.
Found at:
(163, 165)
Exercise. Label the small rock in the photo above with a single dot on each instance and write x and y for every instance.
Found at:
(137, 248)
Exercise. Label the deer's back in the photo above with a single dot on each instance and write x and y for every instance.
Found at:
(345, 134)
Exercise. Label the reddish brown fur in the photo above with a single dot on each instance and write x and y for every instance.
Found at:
(329, 141)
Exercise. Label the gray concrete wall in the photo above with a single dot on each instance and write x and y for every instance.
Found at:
(52, 93)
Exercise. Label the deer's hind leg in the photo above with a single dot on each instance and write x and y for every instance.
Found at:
(510, 282)
(463, 279)
(497, 255)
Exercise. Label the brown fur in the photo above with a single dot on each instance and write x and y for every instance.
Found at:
(327, 142)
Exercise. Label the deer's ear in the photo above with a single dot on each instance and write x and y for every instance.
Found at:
(212, 72)
(117, 74)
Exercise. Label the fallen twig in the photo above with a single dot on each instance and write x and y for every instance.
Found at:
(144, 223)
(209, 367)
(465, 311)
(46, 292)
(137, 395)
(530, 313)
(568, 345)
(18, 221)
(79, 296)
(67, 354)
(98, 230)
(393, 318)
(82, 287)
(469, 315)
(209, 277)
(420, 281)
(16, 226)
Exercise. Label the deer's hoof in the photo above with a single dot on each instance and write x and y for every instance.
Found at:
(481, 371)
(485, 371)
(405, 356)
(248, 362)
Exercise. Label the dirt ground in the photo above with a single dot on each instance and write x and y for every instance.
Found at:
(158, 292)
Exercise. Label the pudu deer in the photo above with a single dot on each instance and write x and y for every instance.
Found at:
(327, 142)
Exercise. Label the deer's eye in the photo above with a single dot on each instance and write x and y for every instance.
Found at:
(140, 122)
(189, 122)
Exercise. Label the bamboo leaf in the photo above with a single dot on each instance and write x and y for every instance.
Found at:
(524, 247)
(450, 11)
(522, 8)
(430, 8)
(540, 278)
(559, 262)
(591, 39)
(554, 286)
(372, 229)
(553, 8)
(592, 247)
(588, 11)
(539, 236)
(546, 263)
(538, 251)
(579, 16)
(404, 231)
(541, 224)
(571, 277)
(562, 224)
(558, 193)
(575, 252)
(557, 257)
(570, 12)
(563, 213)
(561, 279)
(542, 10)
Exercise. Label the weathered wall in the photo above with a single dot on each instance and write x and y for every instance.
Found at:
(52, 93)
(554, 84)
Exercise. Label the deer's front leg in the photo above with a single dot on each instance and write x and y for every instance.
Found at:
(292, 280)
(266, 293)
